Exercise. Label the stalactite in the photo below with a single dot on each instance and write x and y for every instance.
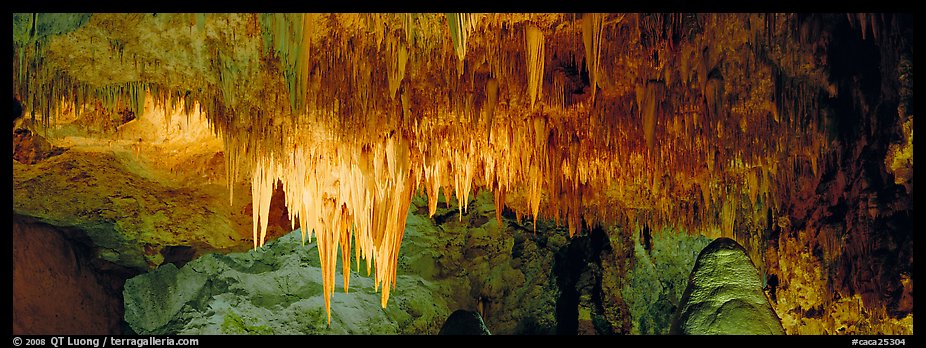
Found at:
(649, 99)
(591, 37)
(461, 26)
(398, 58)
(535, 61)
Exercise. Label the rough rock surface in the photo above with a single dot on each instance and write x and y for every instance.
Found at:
(506, 272)
(58, 286)
(724, 295)
(31, 148)
(276, 289)
(463, 322)
(445, 262)
(129, 217)
(655, 283)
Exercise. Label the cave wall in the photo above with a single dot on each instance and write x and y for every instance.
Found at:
(60, 286)
(841, 249)
(877, 196)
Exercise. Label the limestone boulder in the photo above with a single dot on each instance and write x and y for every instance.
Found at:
(724, 296)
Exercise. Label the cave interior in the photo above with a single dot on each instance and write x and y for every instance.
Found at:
(425, 173)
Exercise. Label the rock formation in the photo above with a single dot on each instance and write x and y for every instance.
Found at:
(724, 296)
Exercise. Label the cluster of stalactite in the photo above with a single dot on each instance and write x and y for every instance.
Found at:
(695, 121)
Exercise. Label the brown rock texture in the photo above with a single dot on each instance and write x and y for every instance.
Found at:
(60, 287)
(31, 148)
